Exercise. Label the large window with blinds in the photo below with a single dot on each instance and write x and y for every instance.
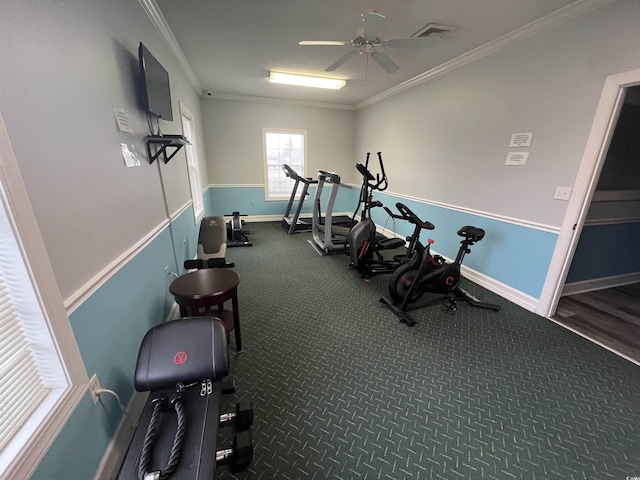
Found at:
(30, 366)
(41, 372)
(282, 146)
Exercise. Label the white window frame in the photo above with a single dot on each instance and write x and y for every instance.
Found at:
(268, 196)
(193, 166)
(22, 456)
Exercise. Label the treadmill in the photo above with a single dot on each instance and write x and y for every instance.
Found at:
(292, 223)
(328, 238)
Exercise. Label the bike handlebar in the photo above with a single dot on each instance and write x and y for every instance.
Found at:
(408, 215)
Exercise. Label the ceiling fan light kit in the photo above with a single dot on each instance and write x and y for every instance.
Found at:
(306, 80)
(370, 42)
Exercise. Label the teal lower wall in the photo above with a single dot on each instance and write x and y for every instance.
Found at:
(515, 255)
(109, 327)
(184, 233)
(606, 251)
(251, 201)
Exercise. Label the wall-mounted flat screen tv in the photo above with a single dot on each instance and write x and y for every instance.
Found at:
(156, 95)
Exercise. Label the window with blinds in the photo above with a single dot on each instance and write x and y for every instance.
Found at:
(29, 366)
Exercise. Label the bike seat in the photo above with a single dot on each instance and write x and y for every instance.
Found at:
(474, 234)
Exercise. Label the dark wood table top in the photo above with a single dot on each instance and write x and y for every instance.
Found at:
(207, 282)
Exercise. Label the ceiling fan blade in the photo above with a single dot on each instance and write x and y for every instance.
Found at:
(323, 42)
(372, 25)
(412, 42)
(340, 61)
(384, 61)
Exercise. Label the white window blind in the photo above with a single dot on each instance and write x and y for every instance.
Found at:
(28, 370)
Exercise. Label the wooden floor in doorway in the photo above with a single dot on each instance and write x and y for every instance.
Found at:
(610, 317)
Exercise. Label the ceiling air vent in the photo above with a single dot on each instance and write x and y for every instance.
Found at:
(433, 30)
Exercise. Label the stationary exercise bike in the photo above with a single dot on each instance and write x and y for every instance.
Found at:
(364, 245)
(427, 273)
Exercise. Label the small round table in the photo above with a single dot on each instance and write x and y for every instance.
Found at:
(206, 288)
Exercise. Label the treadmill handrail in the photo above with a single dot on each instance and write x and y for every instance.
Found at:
(328, 177)
(291, 173)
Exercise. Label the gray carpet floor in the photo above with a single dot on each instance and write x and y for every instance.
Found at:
(342, 390)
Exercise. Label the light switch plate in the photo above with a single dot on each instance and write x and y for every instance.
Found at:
(562, 193)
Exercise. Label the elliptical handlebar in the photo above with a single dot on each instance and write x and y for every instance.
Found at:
(379, 182)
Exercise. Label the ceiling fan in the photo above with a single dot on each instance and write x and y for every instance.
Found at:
(369, 44)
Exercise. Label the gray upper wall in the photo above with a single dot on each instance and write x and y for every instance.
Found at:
(447, 139)
(63, 67)
(234, 142)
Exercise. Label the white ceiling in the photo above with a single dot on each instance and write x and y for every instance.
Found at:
(231, 45)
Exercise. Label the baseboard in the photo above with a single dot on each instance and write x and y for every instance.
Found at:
(583, 286)
(117, 449)
(505, 291)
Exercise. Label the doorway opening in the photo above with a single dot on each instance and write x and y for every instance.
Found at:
(595, 249)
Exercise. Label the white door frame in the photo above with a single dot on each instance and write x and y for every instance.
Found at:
(187, 121)
(593, 158)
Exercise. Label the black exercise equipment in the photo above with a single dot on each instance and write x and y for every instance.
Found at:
(243, 415)
(182, 363)
(212, 245)
(427, 273)
(292, 223)
(330, 235)
(236, 236)
(364, 244)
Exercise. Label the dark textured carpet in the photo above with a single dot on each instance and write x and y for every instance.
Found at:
(342, 390)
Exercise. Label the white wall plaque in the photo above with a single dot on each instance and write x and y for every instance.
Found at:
(521, 139)
(517, 158)
(122, 119)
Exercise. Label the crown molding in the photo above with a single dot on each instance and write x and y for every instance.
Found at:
(157, 18)
(571, 11)
(279, 101)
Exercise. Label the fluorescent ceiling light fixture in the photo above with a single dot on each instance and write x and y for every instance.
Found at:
(306, 80)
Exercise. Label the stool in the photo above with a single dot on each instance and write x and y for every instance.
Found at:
(207, 288)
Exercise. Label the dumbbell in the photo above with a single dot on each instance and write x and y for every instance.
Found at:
(228, 387)
(243, 415)
(241, 454)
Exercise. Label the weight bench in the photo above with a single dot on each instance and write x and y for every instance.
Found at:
(181, 363)
(212, 245)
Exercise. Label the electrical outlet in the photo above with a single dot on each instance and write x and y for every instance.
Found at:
(562, 193)
(94, 386)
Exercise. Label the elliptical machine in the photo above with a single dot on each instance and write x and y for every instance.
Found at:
(427, 273)
(364, 244)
